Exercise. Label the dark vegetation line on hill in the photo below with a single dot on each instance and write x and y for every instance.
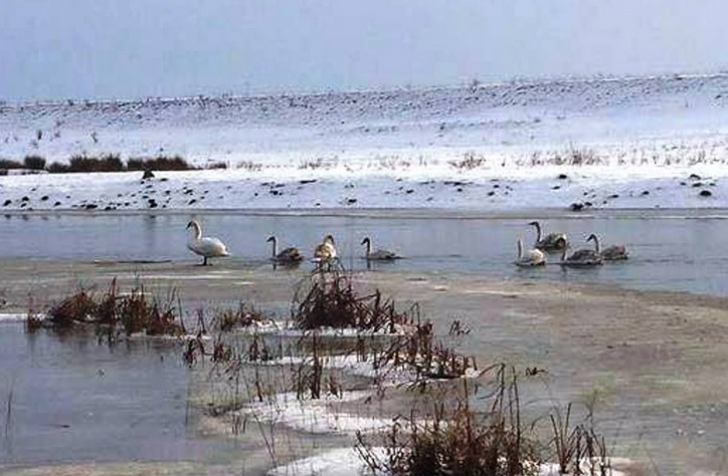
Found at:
(103, 163)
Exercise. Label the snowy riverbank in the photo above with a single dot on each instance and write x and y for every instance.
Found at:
(622, 143)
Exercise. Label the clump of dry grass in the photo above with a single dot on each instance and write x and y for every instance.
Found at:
(311, 379)
(573, 156)
(250, 166)
(227, 320)
(469, 162)
(457, 439)
(114, 313)
(7, 164)
(330, 300)
(75, 309)
(161, 162)
(460, 438)
(33, 320)
(578, 449)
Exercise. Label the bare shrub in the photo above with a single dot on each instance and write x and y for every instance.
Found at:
(458, 439)
(161, 162)
(250, 166)
(105, 163)
(10, 164)
(217, 165)
(114, 313)
(34, 162)
(469, 162)
(331, 301)
(227, 320)
(582, 156)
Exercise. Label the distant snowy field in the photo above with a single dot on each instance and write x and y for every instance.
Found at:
(612, 143)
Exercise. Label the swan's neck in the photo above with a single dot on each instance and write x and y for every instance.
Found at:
(274, 244)
(597, 244)
(563, 253)
(369, 247)
(196, 232)
(538, 231)
(520, 249)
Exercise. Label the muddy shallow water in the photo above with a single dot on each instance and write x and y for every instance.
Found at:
(651, 361)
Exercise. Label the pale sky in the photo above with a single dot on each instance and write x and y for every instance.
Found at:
(118, 49)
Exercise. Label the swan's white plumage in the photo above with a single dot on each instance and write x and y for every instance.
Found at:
(529, 258)
(207, 247)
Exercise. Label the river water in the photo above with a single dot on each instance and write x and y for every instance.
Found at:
(673, 251)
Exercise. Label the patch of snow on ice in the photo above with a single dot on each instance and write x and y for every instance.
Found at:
(16, 317)
(315, 416)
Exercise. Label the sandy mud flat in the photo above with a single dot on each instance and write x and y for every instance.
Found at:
(651, 364)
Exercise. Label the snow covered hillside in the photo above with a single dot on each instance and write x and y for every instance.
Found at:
(635, 143)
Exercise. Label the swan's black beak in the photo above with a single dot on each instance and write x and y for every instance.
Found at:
(270, 238)
(189, 225)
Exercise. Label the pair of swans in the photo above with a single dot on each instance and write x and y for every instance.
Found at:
(580, 258)
(595, 257)
(209, 247)
(536, 256)
(584, 257)
(326, 251)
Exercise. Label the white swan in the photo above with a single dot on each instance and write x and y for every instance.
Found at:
(551, 242)
(380, 254)
(288, 255)
(326, 251)
(205, 246)
(584, 257)
(533, 257)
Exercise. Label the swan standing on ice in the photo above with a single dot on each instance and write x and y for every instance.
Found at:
(531, 258)
(204, 246)
(551, 242)
(288, 255)
(326, 251)
(584, 257)
(380, 254)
